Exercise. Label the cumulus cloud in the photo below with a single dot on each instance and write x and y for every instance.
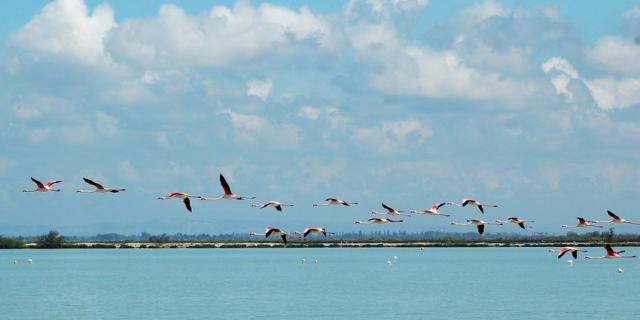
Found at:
(255, 128)
(563, 73)
(615, 55)
(219, 37)
(260, 89)
(608, 92)
(393, 137)
(309, 113)
(86, 130)
(68, 28)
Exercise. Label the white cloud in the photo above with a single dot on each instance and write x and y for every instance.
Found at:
(474, 14)
(309, 112)
(66, 27)
(422, 71)
(611, 92)
(607, 92)
(385, 9)
(106, 124)
(260, 89)
(246, 121)
(564, 73)
(23, 112)
(127, 172)
(393, 137)
(256, 128)
(615, 55)
(220, 37)
(80, 130)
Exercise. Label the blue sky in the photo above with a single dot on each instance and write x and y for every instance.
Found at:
(530, 105)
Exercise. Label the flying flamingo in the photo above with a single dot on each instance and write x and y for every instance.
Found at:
(227, 192)
(473, 202)
(378, 221)
(390, 211)
(46, 187)
(310, 230)
(334, 202)
(180, 195)
(478, 223)
(583, 223)
(99, 187)
(434, 209)
(275, 204)
(574, 251)
(616, 219)
(272, 230)
(518, 221)
(611, 254)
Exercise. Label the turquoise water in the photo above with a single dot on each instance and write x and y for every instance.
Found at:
(455, 283)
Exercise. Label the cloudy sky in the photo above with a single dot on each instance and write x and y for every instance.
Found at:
(534, 106)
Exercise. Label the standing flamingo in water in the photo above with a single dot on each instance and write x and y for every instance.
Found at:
(518, 221)
(478, 223)
(99, 187)
(272, 230)
(616, 219)
(473, 202)
(43, 187)
(582, 223)
(334, 202)
(228, 194)
(434, 209)
(611, 254)
(390, 211)
(180, 195)
(275, 204)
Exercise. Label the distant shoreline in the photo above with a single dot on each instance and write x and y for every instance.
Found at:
(335, 244)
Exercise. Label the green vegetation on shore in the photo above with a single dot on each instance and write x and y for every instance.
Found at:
(11, 243)
(374, 239)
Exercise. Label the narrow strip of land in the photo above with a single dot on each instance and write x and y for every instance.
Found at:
(327, 244)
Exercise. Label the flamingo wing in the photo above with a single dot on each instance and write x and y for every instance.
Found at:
(481, 228)
(93, 183)
(574, 253)
(225, 185)
(387, 207)
(562, 252)
(610, 250)
(187, 203)
(613, 215)
(521, 224)
(278, 207)
(284, 238)
(38, 183)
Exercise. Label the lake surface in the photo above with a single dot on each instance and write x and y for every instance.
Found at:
(437, 283)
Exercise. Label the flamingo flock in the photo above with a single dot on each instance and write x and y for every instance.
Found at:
(434, 210)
